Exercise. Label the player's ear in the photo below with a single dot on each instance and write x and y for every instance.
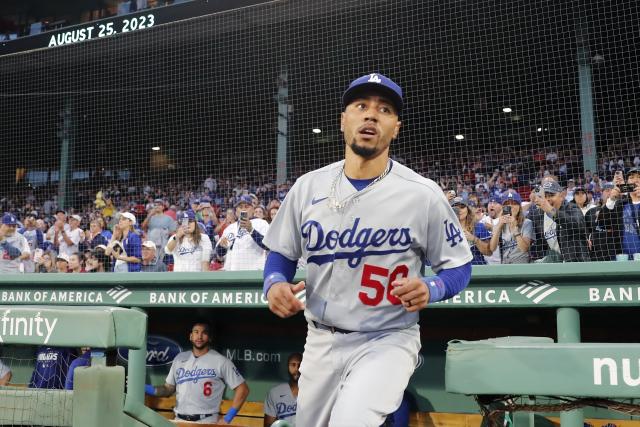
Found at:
(396, 130)
(342, 122)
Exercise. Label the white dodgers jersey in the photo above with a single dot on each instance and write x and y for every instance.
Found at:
(200, 381)
(243, 252)
(384, 232)
(281, 404)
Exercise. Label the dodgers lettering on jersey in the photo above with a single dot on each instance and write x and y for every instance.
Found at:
(352, 237)
(387, 231)
(281, 404)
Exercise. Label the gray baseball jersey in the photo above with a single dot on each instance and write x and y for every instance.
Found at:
(354, 251)
(200, 381)
(281, 404)
(8, 265)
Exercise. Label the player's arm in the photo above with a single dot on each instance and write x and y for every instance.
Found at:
(280, 292)
(417, 292)
(268, 420)
(165, 390)
(4, 380)
(240, 394)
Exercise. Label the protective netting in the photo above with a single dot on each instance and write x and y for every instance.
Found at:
(501, 99)
(32, 385)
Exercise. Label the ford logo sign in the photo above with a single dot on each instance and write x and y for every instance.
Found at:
(160, 351)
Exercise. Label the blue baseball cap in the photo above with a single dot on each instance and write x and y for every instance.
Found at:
(9, 219)
(188, 215)
(551, 187)
(510, 195)
(376, 83)
(244, 199)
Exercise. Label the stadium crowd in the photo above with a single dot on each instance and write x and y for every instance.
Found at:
(538, 208)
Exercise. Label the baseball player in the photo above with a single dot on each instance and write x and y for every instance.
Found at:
(367, 226)
(198, 378)
(280, 403)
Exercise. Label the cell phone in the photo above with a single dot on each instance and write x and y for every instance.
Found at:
(627, 188)
(243, 215)
(506, 210)
(185, 222)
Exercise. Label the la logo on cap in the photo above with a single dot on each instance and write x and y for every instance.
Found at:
(374, 78)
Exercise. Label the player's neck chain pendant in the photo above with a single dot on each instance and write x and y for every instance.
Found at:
(339, 205)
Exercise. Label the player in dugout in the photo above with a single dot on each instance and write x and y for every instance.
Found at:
(367, 226)
(199, 376)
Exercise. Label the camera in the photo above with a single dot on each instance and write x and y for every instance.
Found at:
(243, 215)
(627, 188)
(506, 210)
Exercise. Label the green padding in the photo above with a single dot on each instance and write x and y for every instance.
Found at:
(100, 327)
(538, 366)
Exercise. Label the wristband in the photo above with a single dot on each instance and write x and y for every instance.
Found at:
(232, 413)
(149, 389)
(436, 288)
(271, 280)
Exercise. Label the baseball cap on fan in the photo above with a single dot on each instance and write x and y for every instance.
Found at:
(374, 83)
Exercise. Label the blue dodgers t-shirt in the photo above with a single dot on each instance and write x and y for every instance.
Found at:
(52, 365)
(631, 238)
(482, 233)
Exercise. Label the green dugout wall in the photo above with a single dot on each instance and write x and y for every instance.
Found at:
(500, 301)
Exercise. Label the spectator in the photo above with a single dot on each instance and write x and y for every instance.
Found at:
(605, 225)
(229, 218)
(5, 374)
(494, 208)
(562, 225)
(631, 215)
(159, 226)
(200, 369)
(580, 199)
(281, 402)
(67, 239)
(35, 239)
(150, 261)
(76, 263)
(62, 263)
(83, 360)
(128, 259)
(60, 220)
(242, 240)
(260, 212)
(98, 262)
(210, 184)
(191, 249)
(46, 263)
(96, 235)
(14, 248)
(513, 233)
(476, 234)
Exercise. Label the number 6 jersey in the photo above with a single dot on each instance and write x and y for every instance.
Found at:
(357, 242)
(200, 381)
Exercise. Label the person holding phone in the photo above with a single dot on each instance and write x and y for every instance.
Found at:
(241, 242)
(191, 248)
(631, 212)
(513, 233)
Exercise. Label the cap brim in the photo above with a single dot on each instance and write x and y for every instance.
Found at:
(370, 88)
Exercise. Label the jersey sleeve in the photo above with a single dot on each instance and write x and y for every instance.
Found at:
(261, 226)
(527, 230)
(206, 247)
(283, 235)
(230, 374)
(481, 232)
(446, 246)
(171, 376)
(270, 405)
